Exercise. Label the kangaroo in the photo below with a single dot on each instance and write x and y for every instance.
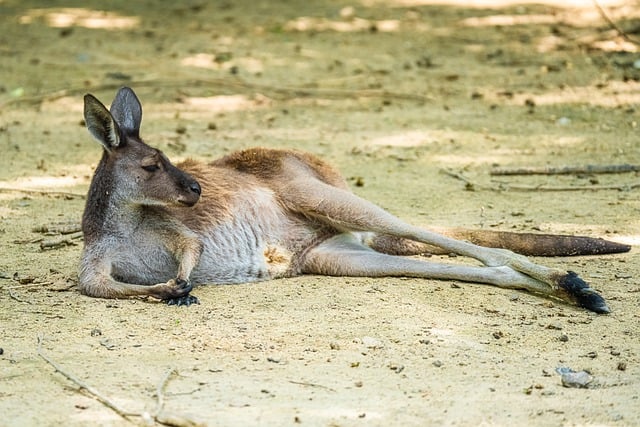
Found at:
(155, 229)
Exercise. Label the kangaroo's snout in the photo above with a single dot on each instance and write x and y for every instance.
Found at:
(192, 195)
(195, 187)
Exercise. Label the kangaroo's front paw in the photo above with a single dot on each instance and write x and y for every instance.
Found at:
(178, 293)
(186, 300)
(175, 288)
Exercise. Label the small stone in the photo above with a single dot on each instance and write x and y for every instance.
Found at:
(371, 342)
(622, 366)
(108, 344)
(563, 121)
(95, 332)
(347, 12)
(573, 379)
(563, 338)
(397, 368)
(437, 363)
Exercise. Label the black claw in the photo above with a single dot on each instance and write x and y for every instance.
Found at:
(185, 300)
(582, 294)
(184, 285)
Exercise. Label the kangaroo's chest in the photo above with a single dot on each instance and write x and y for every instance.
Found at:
(257, 241)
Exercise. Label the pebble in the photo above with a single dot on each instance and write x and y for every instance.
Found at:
(572, 379)
(563, 121)
(371, 342)
(108, 344)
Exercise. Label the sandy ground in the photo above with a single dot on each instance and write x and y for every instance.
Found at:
(393, 93)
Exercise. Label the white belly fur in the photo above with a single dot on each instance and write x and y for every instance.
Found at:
(257, 243)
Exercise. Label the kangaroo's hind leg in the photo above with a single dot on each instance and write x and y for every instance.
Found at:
(346, 255)
(346, 211)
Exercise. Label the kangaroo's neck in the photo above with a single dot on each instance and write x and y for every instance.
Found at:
(105, 211)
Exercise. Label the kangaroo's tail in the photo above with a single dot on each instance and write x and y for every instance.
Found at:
(533, 244)
(530, 244)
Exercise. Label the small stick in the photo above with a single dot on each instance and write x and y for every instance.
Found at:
(613, 25)
(566, 170)
(160, 391)
(311, 385)
(27, 285)
(43, 192)
(16, 297)
(470, 185)
(64, 240)
(83, 386)
(58, 228)
(161, 417)
(237, 84)
(623, 187)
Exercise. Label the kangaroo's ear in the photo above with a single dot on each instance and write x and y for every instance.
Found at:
(101, 123)
(127, 112)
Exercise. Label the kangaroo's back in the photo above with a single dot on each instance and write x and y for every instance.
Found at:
(276, 167)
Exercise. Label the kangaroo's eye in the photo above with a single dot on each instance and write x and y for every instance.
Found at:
(151, 168)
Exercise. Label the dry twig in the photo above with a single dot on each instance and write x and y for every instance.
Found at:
(83, 386)
(60, 241)
(284, 92)
(311, 385)
(159, 415)
(566, 170)
(42, 192)
(16, 297)
(471, 185)
(613, 25)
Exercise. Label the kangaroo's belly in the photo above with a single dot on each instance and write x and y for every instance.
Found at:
(246, 251)
(259, 241)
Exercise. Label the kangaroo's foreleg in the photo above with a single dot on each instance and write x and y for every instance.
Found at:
(96, 275)
(344, 210)
(95, 279)
(187, 250)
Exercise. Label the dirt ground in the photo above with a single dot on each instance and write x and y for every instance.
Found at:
(392, 92)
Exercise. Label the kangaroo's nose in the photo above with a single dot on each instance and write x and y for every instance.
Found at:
(195, 187)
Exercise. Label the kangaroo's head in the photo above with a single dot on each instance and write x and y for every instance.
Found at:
(131, 170)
